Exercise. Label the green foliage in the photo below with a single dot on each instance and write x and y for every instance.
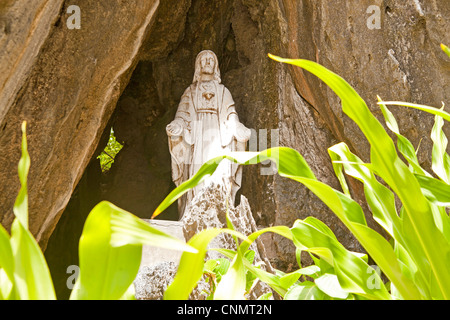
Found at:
(109, 251)
(416, 258)
(445, 49)
(108, 155)
(22, 261)
(215, 269)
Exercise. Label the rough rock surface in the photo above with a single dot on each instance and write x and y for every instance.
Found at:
(151, 282)
(65, 83)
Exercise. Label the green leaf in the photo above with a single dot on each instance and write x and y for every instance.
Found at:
(21, 204)
(424, 238)
(272, 280)
(250, 255)
(445, 49)
(266, 296)
(222, 267)
(305, 291)
(436, 191)
(127, 229)
(329, 284)
(106, 272)
(31, 274)
(350, 269)
(6, 255)
(404, 146)
(233, 283)
(289, 279)
(210, 265)
(190, 268)
(6, 266)
(7, 291)
(379, 198)
(428, 109)
(439, 157)
(311, 271)
(110, 251)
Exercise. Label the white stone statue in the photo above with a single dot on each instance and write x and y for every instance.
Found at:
(206, 125)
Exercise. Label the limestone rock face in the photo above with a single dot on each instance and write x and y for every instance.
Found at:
(65, 83)
(152, 281)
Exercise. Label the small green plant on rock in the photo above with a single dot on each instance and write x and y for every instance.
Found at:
(110, 152)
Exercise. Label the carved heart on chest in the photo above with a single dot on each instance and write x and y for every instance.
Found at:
(208, 95)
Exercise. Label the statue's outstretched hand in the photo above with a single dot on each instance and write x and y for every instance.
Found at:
(242, 133)
(175, 128)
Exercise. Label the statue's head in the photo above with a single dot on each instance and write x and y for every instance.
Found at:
(206, 63)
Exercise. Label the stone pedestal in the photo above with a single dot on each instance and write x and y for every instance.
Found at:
(152, 256)
(207, 210)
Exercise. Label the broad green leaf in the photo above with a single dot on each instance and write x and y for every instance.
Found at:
(31, 274)
(110, 251)
(350, 270)
(233, 283)
(6, 266)
(250, 255)
(425, 240)
(281, 230)
(6, 255)
(129, 294)
(127, 229)
(436, 191)
(319, 225)
(289, 279)
(273, 280)
(379, 198)
(305, 291)
(190, 268)
(7, 291)
(106, 272)
(329, 284)
(310, 270)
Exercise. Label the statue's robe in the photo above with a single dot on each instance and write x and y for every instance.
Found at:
(203, 112)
